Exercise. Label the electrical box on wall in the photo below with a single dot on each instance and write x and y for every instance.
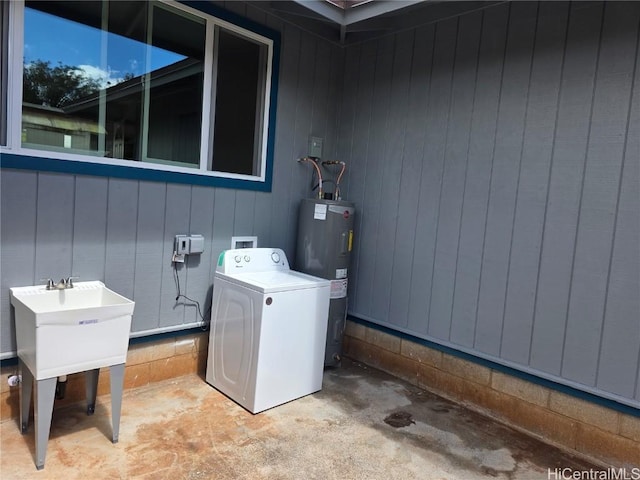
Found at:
(196, 244)
(315, 147)
(181, 244)
(188, 244)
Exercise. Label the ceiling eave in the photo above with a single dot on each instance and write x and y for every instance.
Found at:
(357, 13)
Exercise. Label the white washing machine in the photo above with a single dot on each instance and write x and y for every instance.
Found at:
(268, 329)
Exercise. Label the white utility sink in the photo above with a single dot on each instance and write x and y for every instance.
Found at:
(62, 331)
(59, 332)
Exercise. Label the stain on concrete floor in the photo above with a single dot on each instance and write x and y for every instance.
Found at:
(399, 419)
(185, 429)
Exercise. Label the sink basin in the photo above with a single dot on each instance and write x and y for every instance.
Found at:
(59, 332)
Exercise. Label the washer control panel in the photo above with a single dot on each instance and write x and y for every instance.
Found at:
(252, 260)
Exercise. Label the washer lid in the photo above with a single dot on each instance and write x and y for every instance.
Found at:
(275, 281)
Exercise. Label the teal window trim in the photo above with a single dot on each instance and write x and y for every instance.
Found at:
(78, 167)
(21, 161)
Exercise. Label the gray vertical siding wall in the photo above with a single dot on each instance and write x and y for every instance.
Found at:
(494, 161)
(121, 231)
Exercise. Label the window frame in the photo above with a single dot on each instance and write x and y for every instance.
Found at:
(14, 155)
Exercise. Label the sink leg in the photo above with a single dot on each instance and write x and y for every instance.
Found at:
(117, 384)
(44, 395)
(26, 388)
(91, 384)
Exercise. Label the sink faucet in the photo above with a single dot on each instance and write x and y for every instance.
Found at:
(61, 285)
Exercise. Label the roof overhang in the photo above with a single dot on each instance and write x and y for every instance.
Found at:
(347, 22)
(357, 12)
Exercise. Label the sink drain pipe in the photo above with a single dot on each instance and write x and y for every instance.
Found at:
(61, 384)
(61, 387)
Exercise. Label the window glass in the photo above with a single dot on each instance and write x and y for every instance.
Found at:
(159, 85)
(117, 79)
(175, 94)
(240, 87)
(62, 71)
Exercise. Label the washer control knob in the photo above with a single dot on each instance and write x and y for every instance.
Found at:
(238, 258)
(247, 258)
(275, 256)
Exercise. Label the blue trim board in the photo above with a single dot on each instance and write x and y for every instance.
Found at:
(161, 336)
(43, 164)
(590, 397)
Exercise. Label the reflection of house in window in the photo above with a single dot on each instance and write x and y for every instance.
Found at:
(54, 127)
(173, 121)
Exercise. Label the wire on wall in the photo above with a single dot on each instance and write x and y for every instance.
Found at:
(179, 295)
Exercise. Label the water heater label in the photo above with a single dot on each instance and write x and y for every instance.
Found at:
(320, 212)
(338, 288)
(341, 273)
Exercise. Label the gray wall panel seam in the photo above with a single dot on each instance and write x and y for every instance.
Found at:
(164, 234)
(381, 165)
(354, 271)
(106, 232)
(444, 158)
(615, 217)
(546, 204)
(493, 156)
(186, 264)
(213, 261)
(466, 170)
(584, 174)
(423, 148)
(314, 88)
(296, 122)
(135, 272)
(290, 148)
(353, 120)
(515, 206)
(364, 182)
(410, 272)
(402, 162)
(385, 139)
(338, 108)
(404, 138)
(73, 221)
(36, 277)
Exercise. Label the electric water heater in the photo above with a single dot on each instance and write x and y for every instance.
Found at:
(325, 241)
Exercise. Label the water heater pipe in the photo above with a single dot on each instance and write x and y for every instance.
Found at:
(344, 166)
(315, 165)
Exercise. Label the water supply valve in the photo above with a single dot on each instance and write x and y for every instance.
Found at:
(14, 380)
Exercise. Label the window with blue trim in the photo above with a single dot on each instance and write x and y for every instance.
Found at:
(4, 62)
(157, 86)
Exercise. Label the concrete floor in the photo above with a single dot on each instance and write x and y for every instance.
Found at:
(364, 424)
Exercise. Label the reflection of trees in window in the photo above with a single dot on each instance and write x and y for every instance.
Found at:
(56, 86)
(44, 84)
